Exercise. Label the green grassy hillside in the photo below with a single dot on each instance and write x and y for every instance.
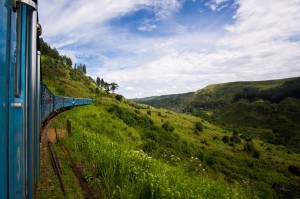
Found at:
(128, 150)
(63, 80)
(272, 105)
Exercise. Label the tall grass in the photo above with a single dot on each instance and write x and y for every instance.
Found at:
(119, 172)
(116, 169)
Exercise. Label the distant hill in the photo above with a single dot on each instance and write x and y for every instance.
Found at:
(273, 104)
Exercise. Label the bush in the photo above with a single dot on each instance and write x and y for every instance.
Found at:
(225, 139)
(119, 98)
(60, 91)
(210, 161)
(168, 127)
(234, 132)
(256, 154)
(97, 91)
(199, 126)
(149, 113)
(137, 111)
(201, 156)
(235, 138)
(250, 149)
(150, 146)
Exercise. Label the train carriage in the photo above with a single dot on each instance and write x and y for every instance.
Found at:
(58, 102)
(68, 101)
(46, 102)
(25, 102)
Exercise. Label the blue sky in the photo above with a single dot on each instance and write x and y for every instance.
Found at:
(156, 47)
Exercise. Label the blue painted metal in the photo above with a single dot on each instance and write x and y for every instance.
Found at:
(46, 101)
(3, 98)
(58, 102)
(68, 102)
(17, 115)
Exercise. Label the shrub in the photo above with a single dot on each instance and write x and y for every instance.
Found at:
(119, 98)
(168, 127)
(196, 132)
(250, 149)
(235, 139)
(199, 126)
(294, 170)
(60, 91)
(201, 156)
(234, 132)
(159, 114)
(137, 111)
(211, 161)
(150, 146)
(97, 91)
(256, 154)
(149, 112)
(225, 139)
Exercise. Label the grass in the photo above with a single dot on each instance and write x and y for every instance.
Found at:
(114, 145)
(129, 150)
(117, 170)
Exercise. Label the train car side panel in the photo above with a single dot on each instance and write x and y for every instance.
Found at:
(3, 98)
(17, 104)
(68, 102)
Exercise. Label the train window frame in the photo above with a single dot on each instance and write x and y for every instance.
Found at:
(18, 57)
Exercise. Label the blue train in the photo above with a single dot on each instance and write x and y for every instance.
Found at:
(25, 102)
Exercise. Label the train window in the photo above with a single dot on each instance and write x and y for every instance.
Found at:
(17, 57)
(17, 78)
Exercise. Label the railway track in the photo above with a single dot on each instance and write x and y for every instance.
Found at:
(52, 186)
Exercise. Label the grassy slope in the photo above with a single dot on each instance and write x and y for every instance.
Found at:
(218, 103)
(109, 135)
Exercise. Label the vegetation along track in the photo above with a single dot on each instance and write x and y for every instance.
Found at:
(49, 185)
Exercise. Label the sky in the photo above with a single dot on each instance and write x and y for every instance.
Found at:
(158, 47)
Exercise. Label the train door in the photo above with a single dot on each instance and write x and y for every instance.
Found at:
(12, 107)
(22, 97)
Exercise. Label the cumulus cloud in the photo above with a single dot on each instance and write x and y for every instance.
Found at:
(261, 44)
(256, 47)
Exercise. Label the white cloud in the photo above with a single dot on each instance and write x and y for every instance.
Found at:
(165, 9)
(147, 26)
(260, 45)
(256, 47)
(217, 4)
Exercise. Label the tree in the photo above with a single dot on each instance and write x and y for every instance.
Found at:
(102, 83)
(69, 61)
(84, 69)
(113, 86)
(106, 87)
(98, 81)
